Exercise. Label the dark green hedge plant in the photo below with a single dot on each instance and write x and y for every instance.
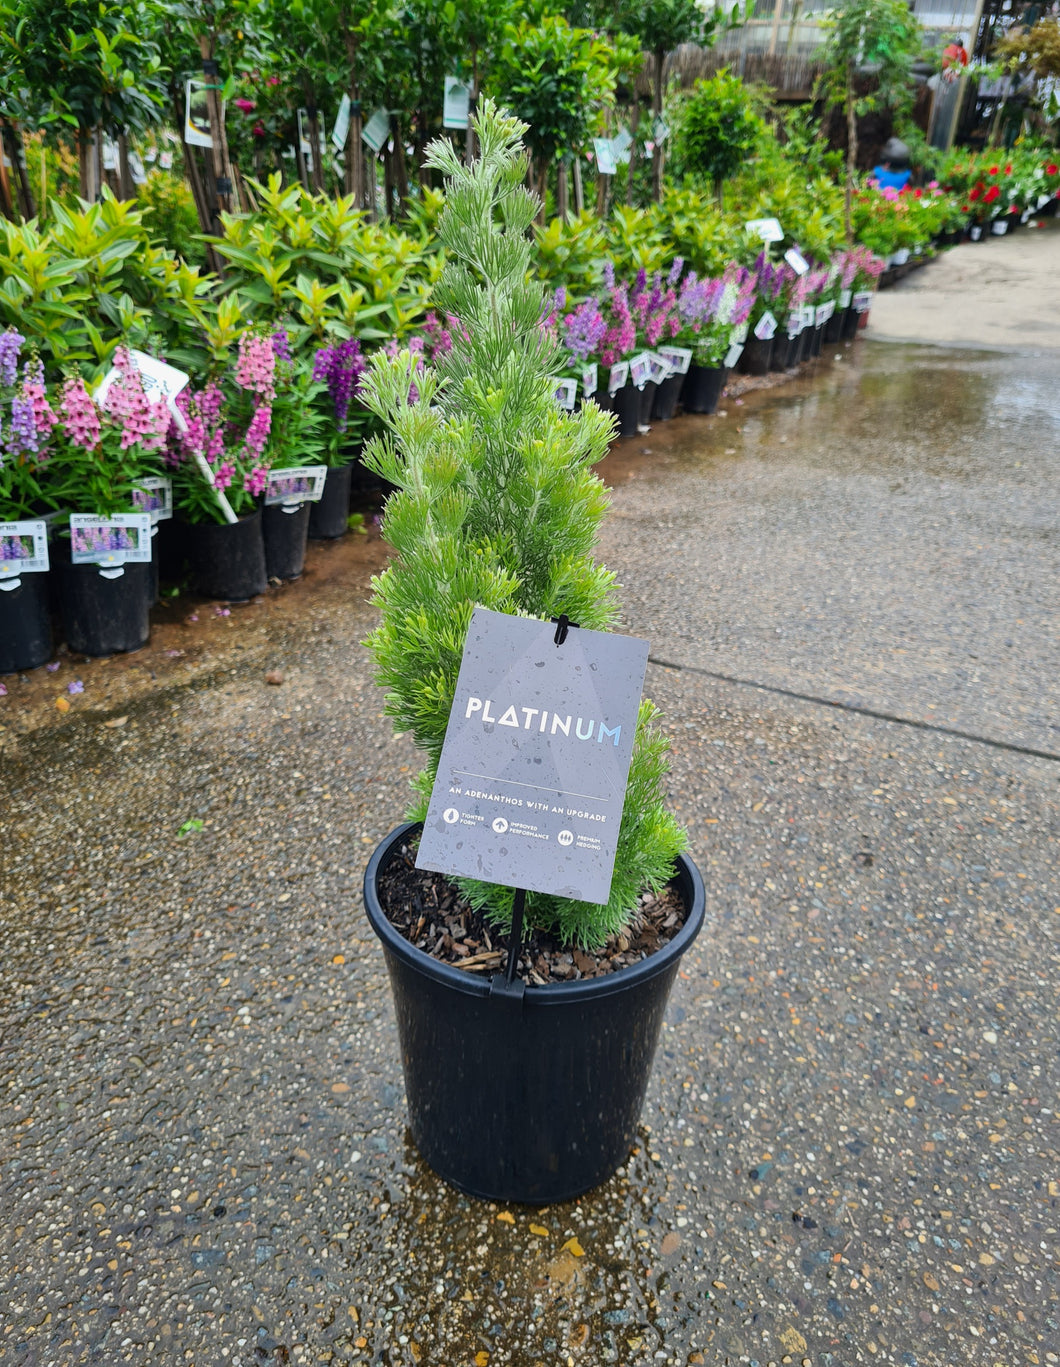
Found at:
(497, 505)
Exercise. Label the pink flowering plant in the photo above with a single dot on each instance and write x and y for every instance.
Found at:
(26, 422)
(256, 413)
(712, 312)
(101, 444)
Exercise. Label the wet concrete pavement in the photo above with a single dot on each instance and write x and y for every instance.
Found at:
(850, 1148)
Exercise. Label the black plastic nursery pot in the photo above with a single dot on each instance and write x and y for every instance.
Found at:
(228, 559)
(667, 397)
(703, 386)
(786, 351)
(757, 357)
(626, 408)
(647, 404)
(849, 329)
(328, 516)
(284, 531)
(537, 1100)
(103, 615)
(25, 624)
(833, 329)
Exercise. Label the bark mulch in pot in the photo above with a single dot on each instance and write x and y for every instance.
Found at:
(432, 914)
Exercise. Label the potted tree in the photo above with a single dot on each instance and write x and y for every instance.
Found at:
(534, 1097)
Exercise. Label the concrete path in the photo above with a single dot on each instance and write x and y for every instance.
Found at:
(850, 1148)
(1003, 292)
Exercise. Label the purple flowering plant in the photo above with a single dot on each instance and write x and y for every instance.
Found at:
(26, 421)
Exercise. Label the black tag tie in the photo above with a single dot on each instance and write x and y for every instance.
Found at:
(563, 625)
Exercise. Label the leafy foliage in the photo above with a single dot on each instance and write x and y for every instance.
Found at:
(719, 126)
(497, 504)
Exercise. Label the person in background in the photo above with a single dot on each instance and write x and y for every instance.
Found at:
(893, 170)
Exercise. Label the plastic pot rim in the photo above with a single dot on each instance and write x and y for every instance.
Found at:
(553, 994)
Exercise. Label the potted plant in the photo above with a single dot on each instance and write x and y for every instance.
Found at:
(25, 623)
(101, 446)
(220, 467)
(338, 368)
(295, 440)
(616, 351)
(496, 506)
(714, 314)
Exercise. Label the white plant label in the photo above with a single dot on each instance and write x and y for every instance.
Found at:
(155, 496)
(679, 358)
(765, 327)
(341, 130)
(640, 369)
(296, 485)
(822, 315)
(794, 324)
(605, 156)
(768, 229)
(862, 301)
(197, 114)
(661, 369)
(733, 355)
(796, 261)
(457, 103)
(618, 377)
(844, 299)
(376, 131)
(110, 542)
(590, 380)
(566, 394)
(23, 550)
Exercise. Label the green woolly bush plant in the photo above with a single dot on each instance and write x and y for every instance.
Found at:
(497, 506)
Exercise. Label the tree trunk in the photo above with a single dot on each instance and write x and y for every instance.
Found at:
(318, 156)
(579, 191)
(126, 186)
(88, 164)
(300, 163)
(852, 160)
(562, 207)
(218, 153)
(401, 170)
(658, 156)
(7, 204)
(203, 207)
(634, 124)
(22, 194)
(542, 189)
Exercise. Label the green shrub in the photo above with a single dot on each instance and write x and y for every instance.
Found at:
(171, 216)
(718, 127)
(497, 506)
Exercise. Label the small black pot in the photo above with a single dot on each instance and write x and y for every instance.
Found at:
(667, 397)
(171, 549)
(104, 616)
(786, 351)
(284, 532)
(850, 324)
(703, 386)
(534, 1102)
(626, 408)
(833, 329)
(816, 341)
(25, 624)
(757, 357)
(647, 403)
(228, 559)
(328, 517)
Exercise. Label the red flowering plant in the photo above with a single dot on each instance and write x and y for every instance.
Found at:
(98, 446)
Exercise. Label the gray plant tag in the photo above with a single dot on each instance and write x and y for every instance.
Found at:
(533, 772)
